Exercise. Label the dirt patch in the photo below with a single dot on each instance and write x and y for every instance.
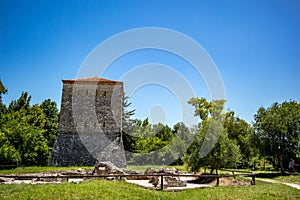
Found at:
(224, 181)
(232, 182)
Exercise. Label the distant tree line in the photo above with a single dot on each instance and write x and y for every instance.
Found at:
(273, 138)
(28, 133)
(156, 144)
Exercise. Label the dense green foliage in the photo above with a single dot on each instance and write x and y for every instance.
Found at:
(27, 133)
(212, 146)
(277, 130)
(241, 133)
(156, 144)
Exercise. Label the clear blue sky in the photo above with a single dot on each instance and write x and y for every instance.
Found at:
(255, 45)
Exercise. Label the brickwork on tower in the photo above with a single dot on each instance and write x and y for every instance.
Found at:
(90, 124)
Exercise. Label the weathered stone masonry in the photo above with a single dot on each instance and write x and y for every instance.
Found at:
(90, 124)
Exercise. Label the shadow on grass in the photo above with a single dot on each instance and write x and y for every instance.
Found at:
(203, 180)
(270, 175)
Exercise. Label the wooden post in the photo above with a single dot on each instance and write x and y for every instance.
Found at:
(253, 178)
(217, 177)
(161, 182)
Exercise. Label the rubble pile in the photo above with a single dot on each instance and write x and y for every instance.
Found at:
(172, 180)
(106, 168)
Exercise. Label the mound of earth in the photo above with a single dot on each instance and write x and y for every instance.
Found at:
(229, 181)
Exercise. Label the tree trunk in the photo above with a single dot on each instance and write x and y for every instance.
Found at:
(280, 163)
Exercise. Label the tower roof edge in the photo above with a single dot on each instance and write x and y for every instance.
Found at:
(92, 80)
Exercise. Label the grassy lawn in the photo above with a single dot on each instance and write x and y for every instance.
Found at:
(96, 189)
(289, 179)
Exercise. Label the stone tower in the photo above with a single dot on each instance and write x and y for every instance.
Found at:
(90, 124)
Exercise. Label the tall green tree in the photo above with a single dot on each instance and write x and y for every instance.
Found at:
(278, 131)
(129, 141)
(23, 132)
(158, 144)
(3, 90)
(241, 133)
(211, 132)
(8, 153)
(51, 121)
(23, 103)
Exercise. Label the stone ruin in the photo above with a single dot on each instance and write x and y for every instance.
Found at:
(90, 123)
(171, 178)
(101, 168)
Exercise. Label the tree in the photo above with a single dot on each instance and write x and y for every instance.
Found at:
(22, 103)
(34, 149)
(278, 131)
(158, 144)
(8, 153)
(180, 143)
(241, 133)
(51, 121)
(22, 133)
(211, 133)
(3, 90)
(129, 141)
(163, 132)
(127, 122)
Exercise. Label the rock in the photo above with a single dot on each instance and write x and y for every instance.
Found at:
(154, 180)
(168, 170)
(106, 168)
(131, 171)
(137, 177)
(174, 182)
(75, 180)
(150, 170)
(5, 180)
(169, 181)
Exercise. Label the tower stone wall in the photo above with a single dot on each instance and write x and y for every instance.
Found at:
(90, 125)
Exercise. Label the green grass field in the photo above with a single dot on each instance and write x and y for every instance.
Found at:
(96, 189)
(289, 179)
(101, 189)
